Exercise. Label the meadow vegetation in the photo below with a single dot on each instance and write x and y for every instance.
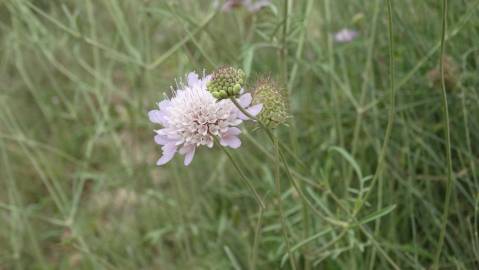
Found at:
(79, 188)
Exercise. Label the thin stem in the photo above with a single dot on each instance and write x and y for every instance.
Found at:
(252, 117)
(391, 116)
(243, 177)
(361, 106)
(306, 203)
(468, 136)
(182, 216)
(280, 203)
(284, 49)
(331, 63)
(303, 196)
(447, 134)
(271, 136)
(377, 224)
(257, 234)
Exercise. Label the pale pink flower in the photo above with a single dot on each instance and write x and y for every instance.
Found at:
(345, 35)
(250, 5)
(193, 117)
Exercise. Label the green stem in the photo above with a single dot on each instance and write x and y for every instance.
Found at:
(257, 235)
(305, 200)
(391, 116)
(280, 203)
(284, 49)
(361, 106)
(243, 177)
(283, 159)
(447, 135)
(306, 203)
(391, 62)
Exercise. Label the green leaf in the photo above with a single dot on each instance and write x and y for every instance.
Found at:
(248, 59)
(304, 242)
(377, 214)
(349, 159)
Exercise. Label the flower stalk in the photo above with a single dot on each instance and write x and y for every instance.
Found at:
(280, 203)
(243, 177)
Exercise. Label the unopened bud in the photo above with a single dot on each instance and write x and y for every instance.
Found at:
(275, 104)
(226, 82)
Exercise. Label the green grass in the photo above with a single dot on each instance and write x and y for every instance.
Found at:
(79, 188)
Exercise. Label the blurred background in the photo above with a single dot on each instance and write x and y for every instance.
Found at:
(79, 188)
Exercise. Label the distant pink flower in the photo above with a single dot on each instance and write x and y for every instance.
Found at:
(345, 35)
(250, 5)
(193, 117)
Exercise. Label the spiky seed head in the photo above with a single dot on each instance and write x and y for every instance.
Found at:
(452, 74)
(226, 82)
(275, 105)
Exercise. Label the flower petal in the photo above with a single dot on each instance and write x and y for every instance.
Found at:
(192, 79)
(156, 116)
(163, 105)
(189, 156)
(169, 151)
(255, 109)
(230, 141)
(345, 35)
(186, 148)
(238, 120)
(162, 140)
(203, 82)
(245, 100)
(209, 142)
(242, 116)
(233, 131)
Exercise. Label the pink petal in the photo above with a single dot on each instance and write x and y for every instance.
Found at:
(242, 116)
(156, 116)
(230, 141)
(204, 81)
(189, 156)
(162, 140)
(163, 105)
(209, 143)
(345, 35)
(169, 151)
(192, 79)
(233, 131)
(255, 109)
(186, 148)
(245, 100)
(189, 151)
(236, 122)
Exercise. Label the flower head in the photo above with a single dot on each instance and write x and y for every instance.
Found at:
(275, 104)
(345, 35)
(452, 74)
(252, 6)
(226, 82)
(193, 117)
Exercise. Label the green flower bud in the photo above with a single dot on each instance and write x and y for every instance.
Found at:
(236, 89)
(226, 82)
(275, 105)
(223, 94)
